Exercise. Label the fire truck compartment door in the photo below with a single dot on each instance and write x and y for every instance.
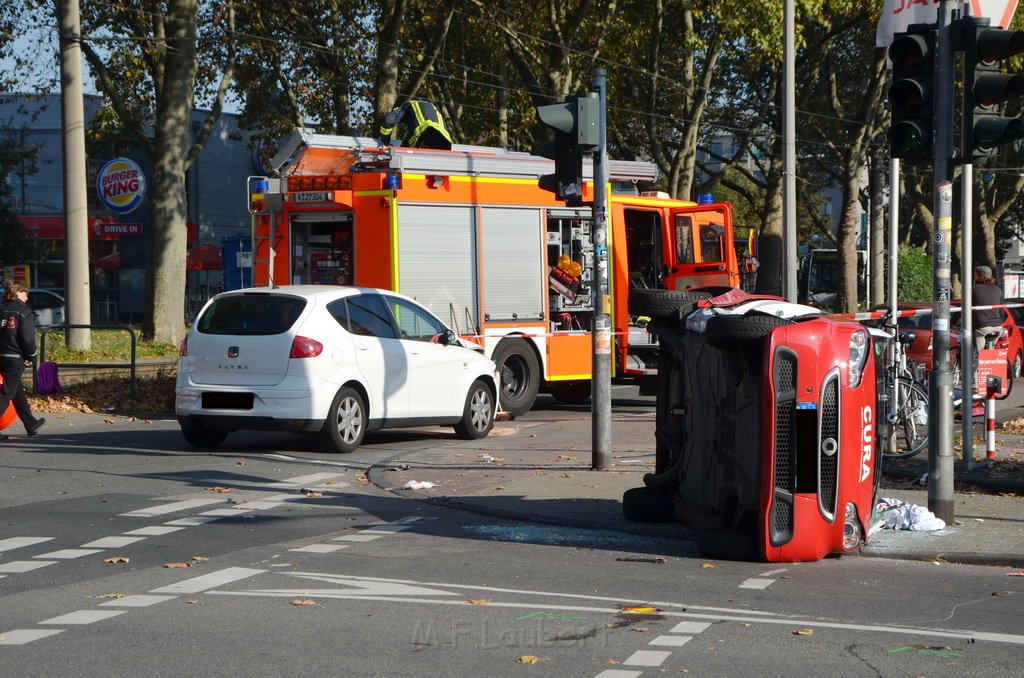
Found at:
(514, 272)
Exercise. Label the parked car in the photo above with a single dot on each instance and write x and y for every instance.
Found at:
(327, 360)
(48, 307)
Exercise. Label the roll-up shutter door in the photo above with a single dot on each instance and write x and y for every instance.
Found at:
(513, 266)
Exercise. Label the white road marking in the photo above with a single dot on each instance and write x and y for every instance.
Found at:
(192, 521)
(136, 600)
(209, 581)
(304, 481)
(647, 658)
(164, 509)
(84, 617)
(112, 542)
(756, 583)
(320, 548)
(385, 528)
(671, 641)
(19, 566)
(693, 628)
(772, 573)
(155, 530)
(258, 505)
(69, 553)
(223, 513)
(23, 636)
(19, 542)
(618, 673)
(358, 537)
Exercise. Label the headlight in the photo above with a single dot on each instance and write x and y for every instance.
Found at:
(852, 534)
(858, 356)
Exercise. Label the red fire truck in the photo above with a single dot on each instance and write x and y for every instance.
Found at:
(470, 235)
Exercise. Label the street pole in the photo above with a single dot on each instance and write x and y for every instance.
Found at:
(940, 423)
(790, 290)
(601, 373)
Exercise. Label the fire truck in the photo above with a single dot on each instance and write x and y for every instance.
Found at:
(471, 236)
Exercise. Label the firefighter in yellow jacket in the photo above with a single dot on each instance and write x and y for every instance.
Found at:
(421, 123)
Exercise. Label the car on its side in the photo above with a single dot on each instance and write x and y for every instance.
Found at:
(48, 307)
(330, 361)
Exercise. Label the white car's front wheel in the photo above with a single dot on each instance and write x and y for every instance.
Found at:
(478, 414)
(345, 426)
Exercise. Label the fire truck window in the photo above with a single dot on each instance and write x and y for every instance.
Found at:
(643, 248)
(368, 316)
(684, 239)
(413, 323)
(711, 243)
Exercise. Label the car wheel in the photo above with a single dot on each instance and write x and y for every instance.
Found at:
(478, 415)
(346, 422)
(726, 331)
(520, 375)
(198, 434)
(570, 392)
(663, 303)
(1018, 363)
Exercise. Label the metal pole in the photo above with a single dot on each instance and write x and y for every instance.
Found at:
(601, 396)
(967, 361)
(790, 290)
(894, 227)
(940, 424)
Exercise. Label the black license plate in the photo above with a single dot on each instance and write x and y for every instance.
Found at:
(227, 401)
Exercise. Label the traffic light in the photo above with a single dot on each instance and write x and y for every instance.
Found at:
(910, 95)
(984, 126)
(575, 123)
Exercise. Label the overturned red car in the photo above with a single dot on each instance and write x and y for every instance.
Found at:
(767, 434)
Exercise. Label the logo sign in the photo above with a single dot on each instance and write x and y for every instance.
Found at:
(316, 196)
(104, 229)
(121, 185)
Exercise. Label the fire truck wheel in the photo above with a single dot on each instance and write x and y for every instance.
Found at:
(663, 303)
(198, 434)
(478, 415)
(346, 422)
(520, 375)
(727, 545)
(570, 392)
(726, 331)
(641, 505)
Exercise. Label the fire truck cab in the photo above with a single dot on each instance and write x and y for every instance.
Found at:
(471, 236)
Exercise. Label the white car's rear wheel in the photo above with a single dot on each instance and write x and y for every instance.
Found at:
(345, 426)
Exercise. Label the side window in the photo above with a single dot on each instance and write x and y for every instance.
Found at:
(339, 311)
(684, 239)
(711, 248)
(413, 322)
(368, 316)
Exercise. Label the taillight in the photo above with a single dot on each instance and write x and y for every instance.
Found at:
(183, 348)
(304, 347)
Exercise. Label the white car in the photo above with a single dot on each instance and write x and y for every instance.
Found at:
(48, 307)
(327, 360)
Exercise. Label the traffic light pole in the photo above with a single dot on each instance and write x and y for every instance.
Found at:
(601, 372)
(940, 423)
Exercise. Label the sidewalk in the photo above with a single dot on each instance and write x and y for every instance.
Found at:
(539, 471)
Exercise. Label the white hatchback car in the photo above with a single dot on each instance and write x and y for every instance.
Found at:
(327, 360)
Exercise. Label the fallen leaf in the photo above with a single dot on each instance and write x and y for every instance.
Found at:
(708, 566)
(478, 601)
(108, 421)
(113, 595)
(803, 632)
(313, 495)
(191, 601)
(240, 462)
(528, 659)
(301, 602)
(116, 559)
(200, 559)
(219, 489)
(639, 609)
(640, 629)
(176, 566)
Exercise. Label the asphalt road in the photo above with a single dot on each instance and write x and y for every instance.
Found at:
(124, 552)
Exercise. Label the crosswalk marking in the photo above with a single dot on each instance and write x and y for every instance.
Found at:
(209, 581)
(136, 600)
(358, 537)
(67, 554)
(756, 583)
(386, 528)
(311, 479)
(154, 530)
(19, 566)
(112, 542)
(18, 542)
(320, 548)
(83, 617)
(647, 658)
(192, 521)
(690, 627)
(164, 509)
(671, 641)
(617, 673)
(23, 636)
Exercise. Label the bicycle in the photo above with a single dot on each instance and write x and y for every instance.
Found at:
(906, 416)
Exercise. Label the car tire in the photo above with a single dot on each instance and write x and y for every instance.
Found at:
(345, 426)
(642, 505)
(198, 434)
(726, 331)
(570, 392)
(663, 303)
(520, 376)
(478, 414)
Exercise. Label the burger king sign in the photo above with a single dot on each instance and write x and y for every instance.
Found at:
(121, 185)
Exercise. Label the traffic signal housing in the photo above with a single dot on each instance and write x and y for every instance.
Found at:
(984, 127)
(910, 96)
(575, 123)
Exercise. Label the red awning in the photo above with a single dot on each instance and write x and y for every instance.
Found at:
(204, 258)
(109, 261)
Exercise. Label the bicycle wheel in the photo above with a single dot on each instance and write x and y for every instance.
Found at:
(909, 433)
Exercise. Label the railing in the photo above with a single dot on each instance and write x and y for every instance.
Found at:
(100, 326)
